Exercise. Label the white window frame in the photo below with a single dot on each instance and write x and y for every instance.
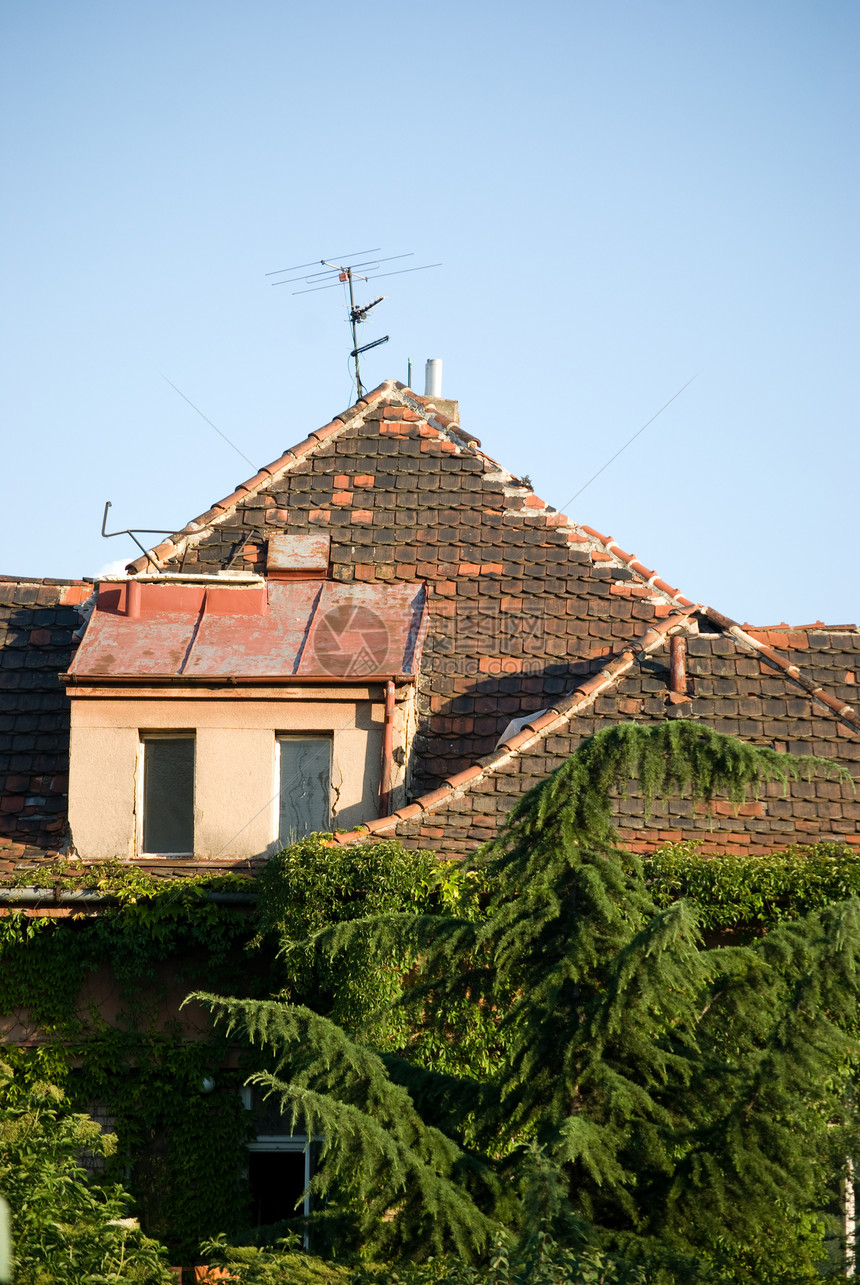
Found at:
(283, 1142)
(280, 737)
(157, 734)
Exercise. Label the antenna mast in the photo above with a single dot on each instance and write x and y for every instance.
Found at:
(356, 316)
(346, 273)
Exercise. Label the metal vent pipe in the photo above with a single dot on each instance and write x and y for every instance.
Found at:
(433, 377)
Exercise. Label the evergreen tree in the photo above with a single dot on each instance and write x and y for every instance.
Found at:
(667, 1103)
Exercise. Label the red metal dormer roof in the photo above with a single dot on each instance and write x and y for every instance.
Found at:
(251, 630)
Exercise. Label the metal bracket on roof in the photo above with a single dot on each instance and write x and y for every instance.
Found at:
(109, 535)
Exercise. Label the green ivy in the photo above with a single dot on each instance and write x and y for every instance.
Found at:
(66, 1230)
(177, 1143)
(45, 961)
(177, 1146)
(314, 885)
(753, 893)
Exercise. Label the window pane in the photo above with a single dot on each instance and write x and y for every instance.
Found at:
(168, 794)
(305, 787)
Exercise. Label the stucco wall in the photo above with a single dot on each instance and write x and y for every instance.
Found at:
(235, 788)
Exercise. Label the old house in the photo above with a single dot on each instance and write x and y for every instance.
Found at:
(386, 633)
(383, 633)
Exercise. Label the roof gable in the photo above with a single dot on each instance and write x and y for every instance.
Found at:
(396, 413)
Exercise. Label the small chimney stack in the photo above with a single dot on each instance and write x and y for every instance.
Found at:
(433, 377)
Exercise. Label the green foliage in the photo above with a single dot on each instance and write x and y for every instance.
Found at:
(313, 884)
(537, 1040)
(283, 1264)
(753, 892)
(45, 962)
(65, 1228)
(177, 1147)
(538, 1260)
(678, 757)
(339, 1091)
(680, 1108)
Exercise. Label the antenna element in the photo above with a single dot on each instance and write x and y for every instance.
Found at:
(333, 274)
(141, 530)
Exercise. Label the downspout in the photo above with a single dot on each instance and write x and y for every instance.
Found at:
(387, 750)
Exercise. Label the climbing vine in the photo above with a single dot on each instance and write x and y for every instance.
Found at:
(174, 1101)
(152, 943)
(753, 892)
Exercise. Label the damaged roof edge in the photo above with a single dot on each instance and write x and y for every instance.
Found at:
(536, 508)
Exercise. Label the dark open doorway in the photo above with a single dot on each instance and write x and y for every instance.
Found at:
(277, 1179)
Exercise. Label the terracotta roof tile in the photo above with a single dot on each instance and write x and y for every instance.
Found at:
(440, 505)
(38, 622)
(457, 781)
(842, 709)
(571, 705)
(450, 436)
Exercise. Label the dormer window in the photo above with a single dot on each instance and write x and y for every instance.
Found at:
(223, 717)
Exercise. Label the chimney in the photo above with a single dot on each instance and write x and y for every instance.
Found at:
(433, 389)
(433, 377)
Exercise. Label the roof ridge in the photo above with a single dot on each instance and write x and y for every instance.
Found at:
(540, 508)
(818, 626)
(534, 731)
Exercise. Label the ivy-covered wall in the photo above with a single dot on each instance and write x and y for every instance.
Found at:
(137, 1065)
(138, 1072)
(180, 1147)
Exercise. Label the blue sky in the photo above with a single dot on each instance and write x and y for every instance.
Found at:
(622, 194)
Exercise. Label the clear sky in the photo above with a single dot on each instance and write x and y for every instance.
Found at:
(622, 193)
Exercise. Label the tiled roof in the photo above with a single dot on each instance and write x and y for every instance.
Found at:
(530, 612)
(38, 619)
(765, 643)
(530, 736)
(445, 434)
(553, 721)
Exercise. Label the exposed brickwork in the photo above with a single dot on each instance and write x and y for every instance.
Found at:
(37, 621)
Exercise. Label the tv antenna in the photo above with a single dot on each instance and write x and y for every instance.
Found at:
(330, 273)
(134, 533)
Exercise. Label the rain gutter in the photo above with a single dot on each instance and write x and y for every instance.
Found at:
(82, 897)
